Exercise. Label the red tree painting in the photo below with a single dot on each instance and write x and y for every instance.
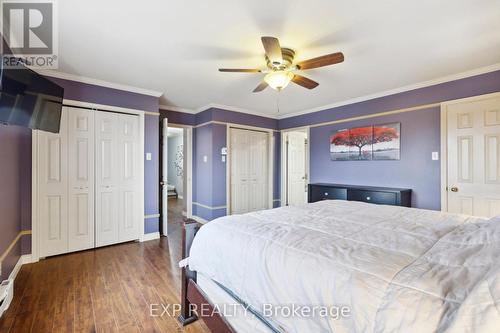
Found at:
(384, 140)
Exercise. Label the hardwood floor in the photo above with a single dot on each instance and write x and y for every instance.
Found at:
(103, 290)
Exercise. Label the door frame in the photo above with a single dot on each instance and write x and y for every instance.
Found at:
(188, 191)
(35, 244)
(444, 141)
(270, 167)
(283, 159)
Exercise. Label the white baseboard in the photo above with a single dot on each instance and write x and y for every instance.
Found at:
(199, 219)
(24, 259)
(151, 236)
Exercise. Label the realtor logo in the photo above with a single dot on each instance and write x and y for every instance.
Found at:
(29, 30)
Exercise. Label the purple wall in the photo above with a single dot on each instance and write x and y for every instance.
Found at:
(15, 169)
(471, 86)
(209, 178)
(420, 132)
(416, 170)
(151, 173)
(90, 93)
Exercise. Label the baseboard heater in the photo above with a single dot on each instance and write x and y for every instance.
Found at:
(6, 295)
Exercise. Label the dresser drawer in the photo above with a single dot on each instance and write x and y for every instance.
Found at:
(381, 198)
(318, 193)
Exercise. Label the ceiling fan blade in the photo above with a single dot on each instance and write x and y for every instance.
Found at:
(239, 70)
(273, 49)
(304, 82)
(263, 85)
(322, 61)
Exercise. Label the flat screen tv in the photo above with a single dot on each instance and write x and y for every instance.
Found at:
(28, 99)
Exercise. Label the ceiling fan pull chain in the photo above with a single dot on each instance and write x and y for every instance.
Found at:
(278, 101)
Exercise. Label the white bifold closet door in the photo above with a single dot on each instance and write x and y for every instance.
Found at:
(66, 184)
(81, 179)
(117, 178)
(52, 169)
(89, 190)
(249, 170)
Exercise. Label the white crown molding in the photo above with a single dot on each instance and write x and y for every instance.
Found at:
(96, 82)
(176, 109)
(216, 106)
(235, 109)
(449, 78)
(463, 75)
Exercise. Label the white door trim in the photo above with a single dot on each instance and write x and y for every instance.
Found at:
(35, 244)
(270, 169)
(444, 142)
(283, 187)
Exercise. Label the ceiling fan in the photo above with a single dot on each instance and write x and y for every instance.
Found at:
(280, 67)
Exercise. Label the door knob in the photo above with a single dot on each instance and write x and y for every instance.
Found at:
(454, 189)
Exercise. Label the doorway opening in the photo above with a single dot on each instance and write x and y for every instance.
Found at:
(295, 166)
(176, 156)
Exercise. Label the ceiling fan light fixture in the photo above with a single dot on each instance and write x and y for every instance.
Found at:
(278, 80)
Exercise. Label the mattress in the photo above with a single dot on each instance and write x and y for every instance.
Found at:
(394, 269)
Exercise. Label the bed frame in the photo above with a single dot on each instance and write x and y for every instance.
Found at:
(191, 294)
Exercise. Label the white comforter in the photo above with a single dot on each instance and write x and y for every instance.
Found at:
(397, 269)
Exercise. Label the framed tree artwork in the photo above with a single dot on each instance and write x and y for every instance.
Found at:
(380, 142)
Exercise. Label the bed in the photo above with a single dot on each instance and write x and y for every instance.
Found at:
(394, 268)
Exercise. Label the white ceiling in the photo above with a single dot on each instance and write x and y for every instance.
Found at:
(176, 47)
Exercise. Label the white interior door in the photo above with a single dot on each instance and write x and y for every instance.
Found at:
(258, 181)
(53, 189)
(249, 167)
(164, 180)
(107, 166)
(473, 145)
(81, 179)
(296, 159)
(118, 216)
(128, 183)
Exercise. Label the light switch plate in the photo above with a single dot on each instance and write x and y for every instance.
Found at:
(148, 157)
(435, 156)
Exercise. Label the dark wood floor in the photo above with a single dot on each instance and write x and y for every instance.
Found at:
(104, 290)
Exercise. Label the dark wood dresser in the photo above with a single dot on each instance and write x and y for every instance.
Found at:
(370, 194)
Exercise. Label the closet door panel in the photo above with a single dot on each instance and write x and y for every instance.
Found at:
(128, 185)
(240, 160)
(52, 170)
(258, 171)
(81, 179)
(107, 167)
(249, 164)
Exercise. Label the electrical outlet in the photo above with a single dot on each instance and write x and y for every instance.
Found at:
(435, 156)
(148, 157)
